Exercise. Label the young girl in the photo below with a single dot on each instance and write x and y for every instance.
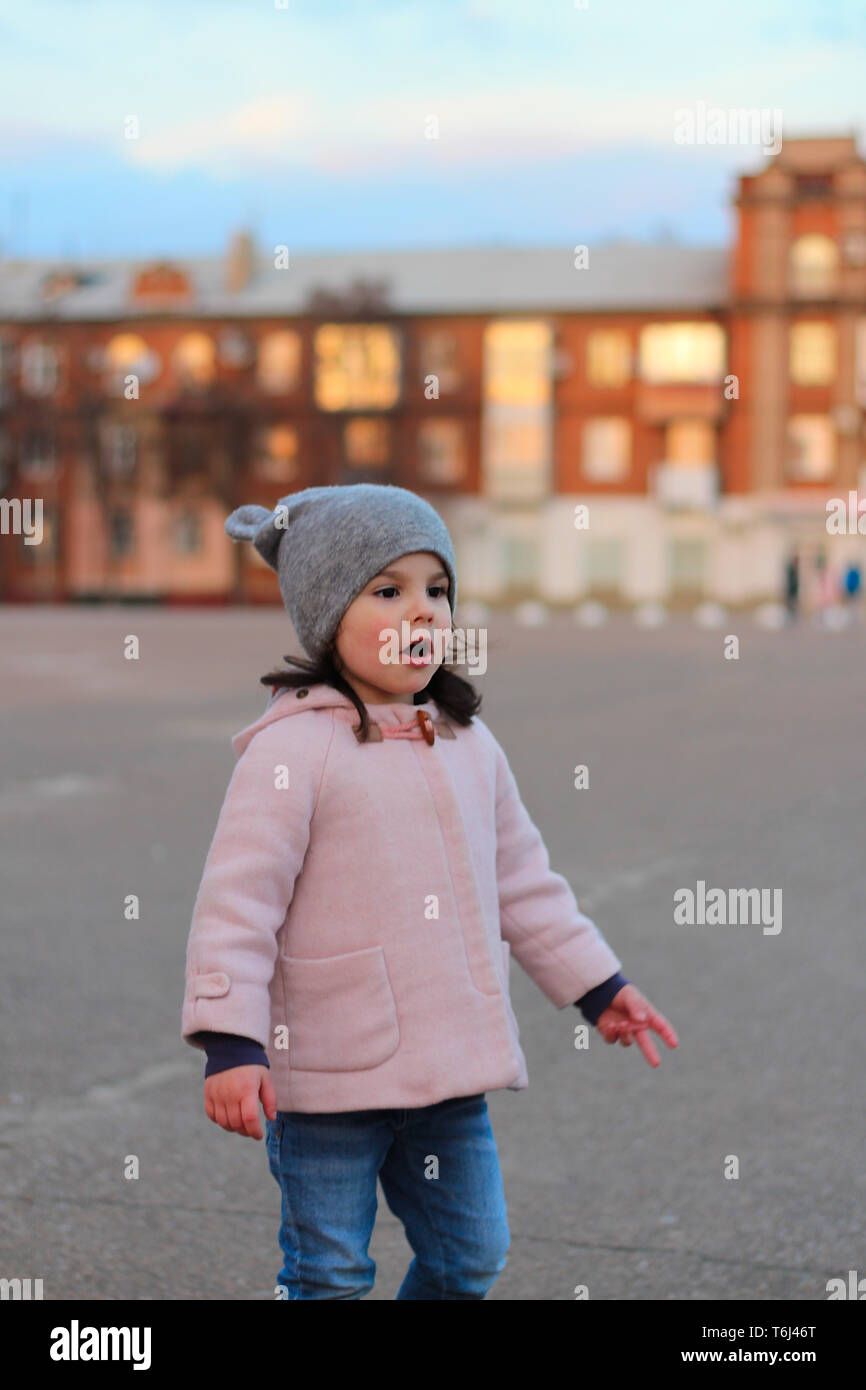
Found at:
(372, 871)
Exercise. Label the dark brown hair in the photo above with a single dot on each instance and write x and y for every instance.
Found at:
(453, 694)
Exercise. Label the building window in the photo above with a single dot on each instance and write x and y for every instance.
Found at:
(235, 348)
(187, 533)
(5, 460)
(687, 352)
(45, 553)
(120, 532)
(195, 359)
(690, 443)
(687, 558)
(366, 442)
(517, 363)
(38, 459)
(814, 185)
(517, 419)
(812, 354)
(441, 452)
(860, 362)
(811, 448)
(276, 459)
(438, 357)
(605, 562)
(813, 265)
(279, 362)
(8, 357)
(521, 561)
(606, 450)
(127, 354)
(357, 367)
(119, 448)
(608, 358)
(40, 369)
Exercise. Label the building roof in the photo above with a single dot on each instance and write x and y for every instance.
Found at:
(621, 276)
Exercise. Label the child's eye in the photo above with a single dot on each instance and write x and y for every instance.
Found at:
(392, 588)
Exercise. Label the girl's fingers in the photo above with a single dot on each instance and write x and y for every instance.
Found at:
(661, 1026)
(645, 1043)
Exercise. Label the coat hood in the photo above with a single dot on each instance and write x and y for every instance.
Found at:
(286, 702)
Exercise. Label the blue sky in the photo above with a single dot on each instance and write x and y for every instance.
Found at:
(306, 119)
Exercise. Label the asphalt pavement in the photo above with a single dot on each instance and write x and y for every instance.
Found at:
(746, 773)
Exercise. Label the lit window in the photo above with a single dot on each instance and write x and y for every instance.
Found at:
(811, 448)
(517, 365)
(671, 352)
(813, 265)
(357, 366)
(517, 420)
(195, 359)
(279, 360)
(127, 354)
(366, 442)
(812, 353)
(608, 358)
(690, 442)
(606, 450)
(40, 368)
(277, 454)
(441, 452)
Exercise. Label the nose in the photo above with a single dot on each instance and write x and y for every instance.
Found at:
(422, 609)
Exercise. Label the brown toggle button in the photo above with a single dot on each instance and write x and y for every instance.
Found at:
(426, 725)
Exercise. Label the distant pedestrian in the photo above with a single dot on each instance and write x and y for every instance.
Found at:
(851, 583)
(792, 585)
(824, 585)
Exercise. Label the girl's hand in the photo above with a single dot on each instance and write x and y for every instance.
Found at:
(231, 1099)
(630, 1014)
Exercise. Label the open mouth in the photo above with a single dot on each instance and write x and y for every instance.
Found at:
(420, 652)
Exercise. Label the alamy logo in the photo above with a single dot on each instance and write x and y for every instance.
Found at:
(856, 1287)
(17, 518)
(76, 1343)
(20, 1288)
(736, 907)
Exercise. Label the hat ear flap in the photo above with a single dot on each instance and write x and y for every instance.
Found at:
(256, 524)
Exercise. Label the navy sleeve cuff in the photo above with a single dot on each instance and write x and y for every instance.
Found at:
(226, 1050)
(593, 1004)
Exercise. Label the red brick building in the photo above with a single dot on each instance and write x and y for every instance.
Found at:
(702, 404)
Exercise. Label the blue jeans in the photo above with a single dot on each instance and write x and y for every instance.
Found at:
(440, 1174)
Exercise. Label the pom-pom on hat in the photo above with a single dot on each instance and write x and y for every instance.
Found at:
(326, 543)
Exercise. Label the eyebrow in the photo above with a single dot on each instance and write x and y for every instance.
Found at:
(398, 574)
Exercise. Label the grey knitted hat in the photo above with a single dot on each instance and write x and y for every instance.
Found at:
(326, 543)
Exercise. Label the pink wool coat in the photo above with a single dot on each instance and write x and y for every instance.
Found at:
(360, 904)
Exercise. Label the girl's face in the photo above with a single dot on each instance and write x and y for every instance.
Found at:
(412, 590)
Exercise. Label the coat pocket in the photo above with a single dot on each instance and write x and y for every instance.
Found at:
(340, 1010)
